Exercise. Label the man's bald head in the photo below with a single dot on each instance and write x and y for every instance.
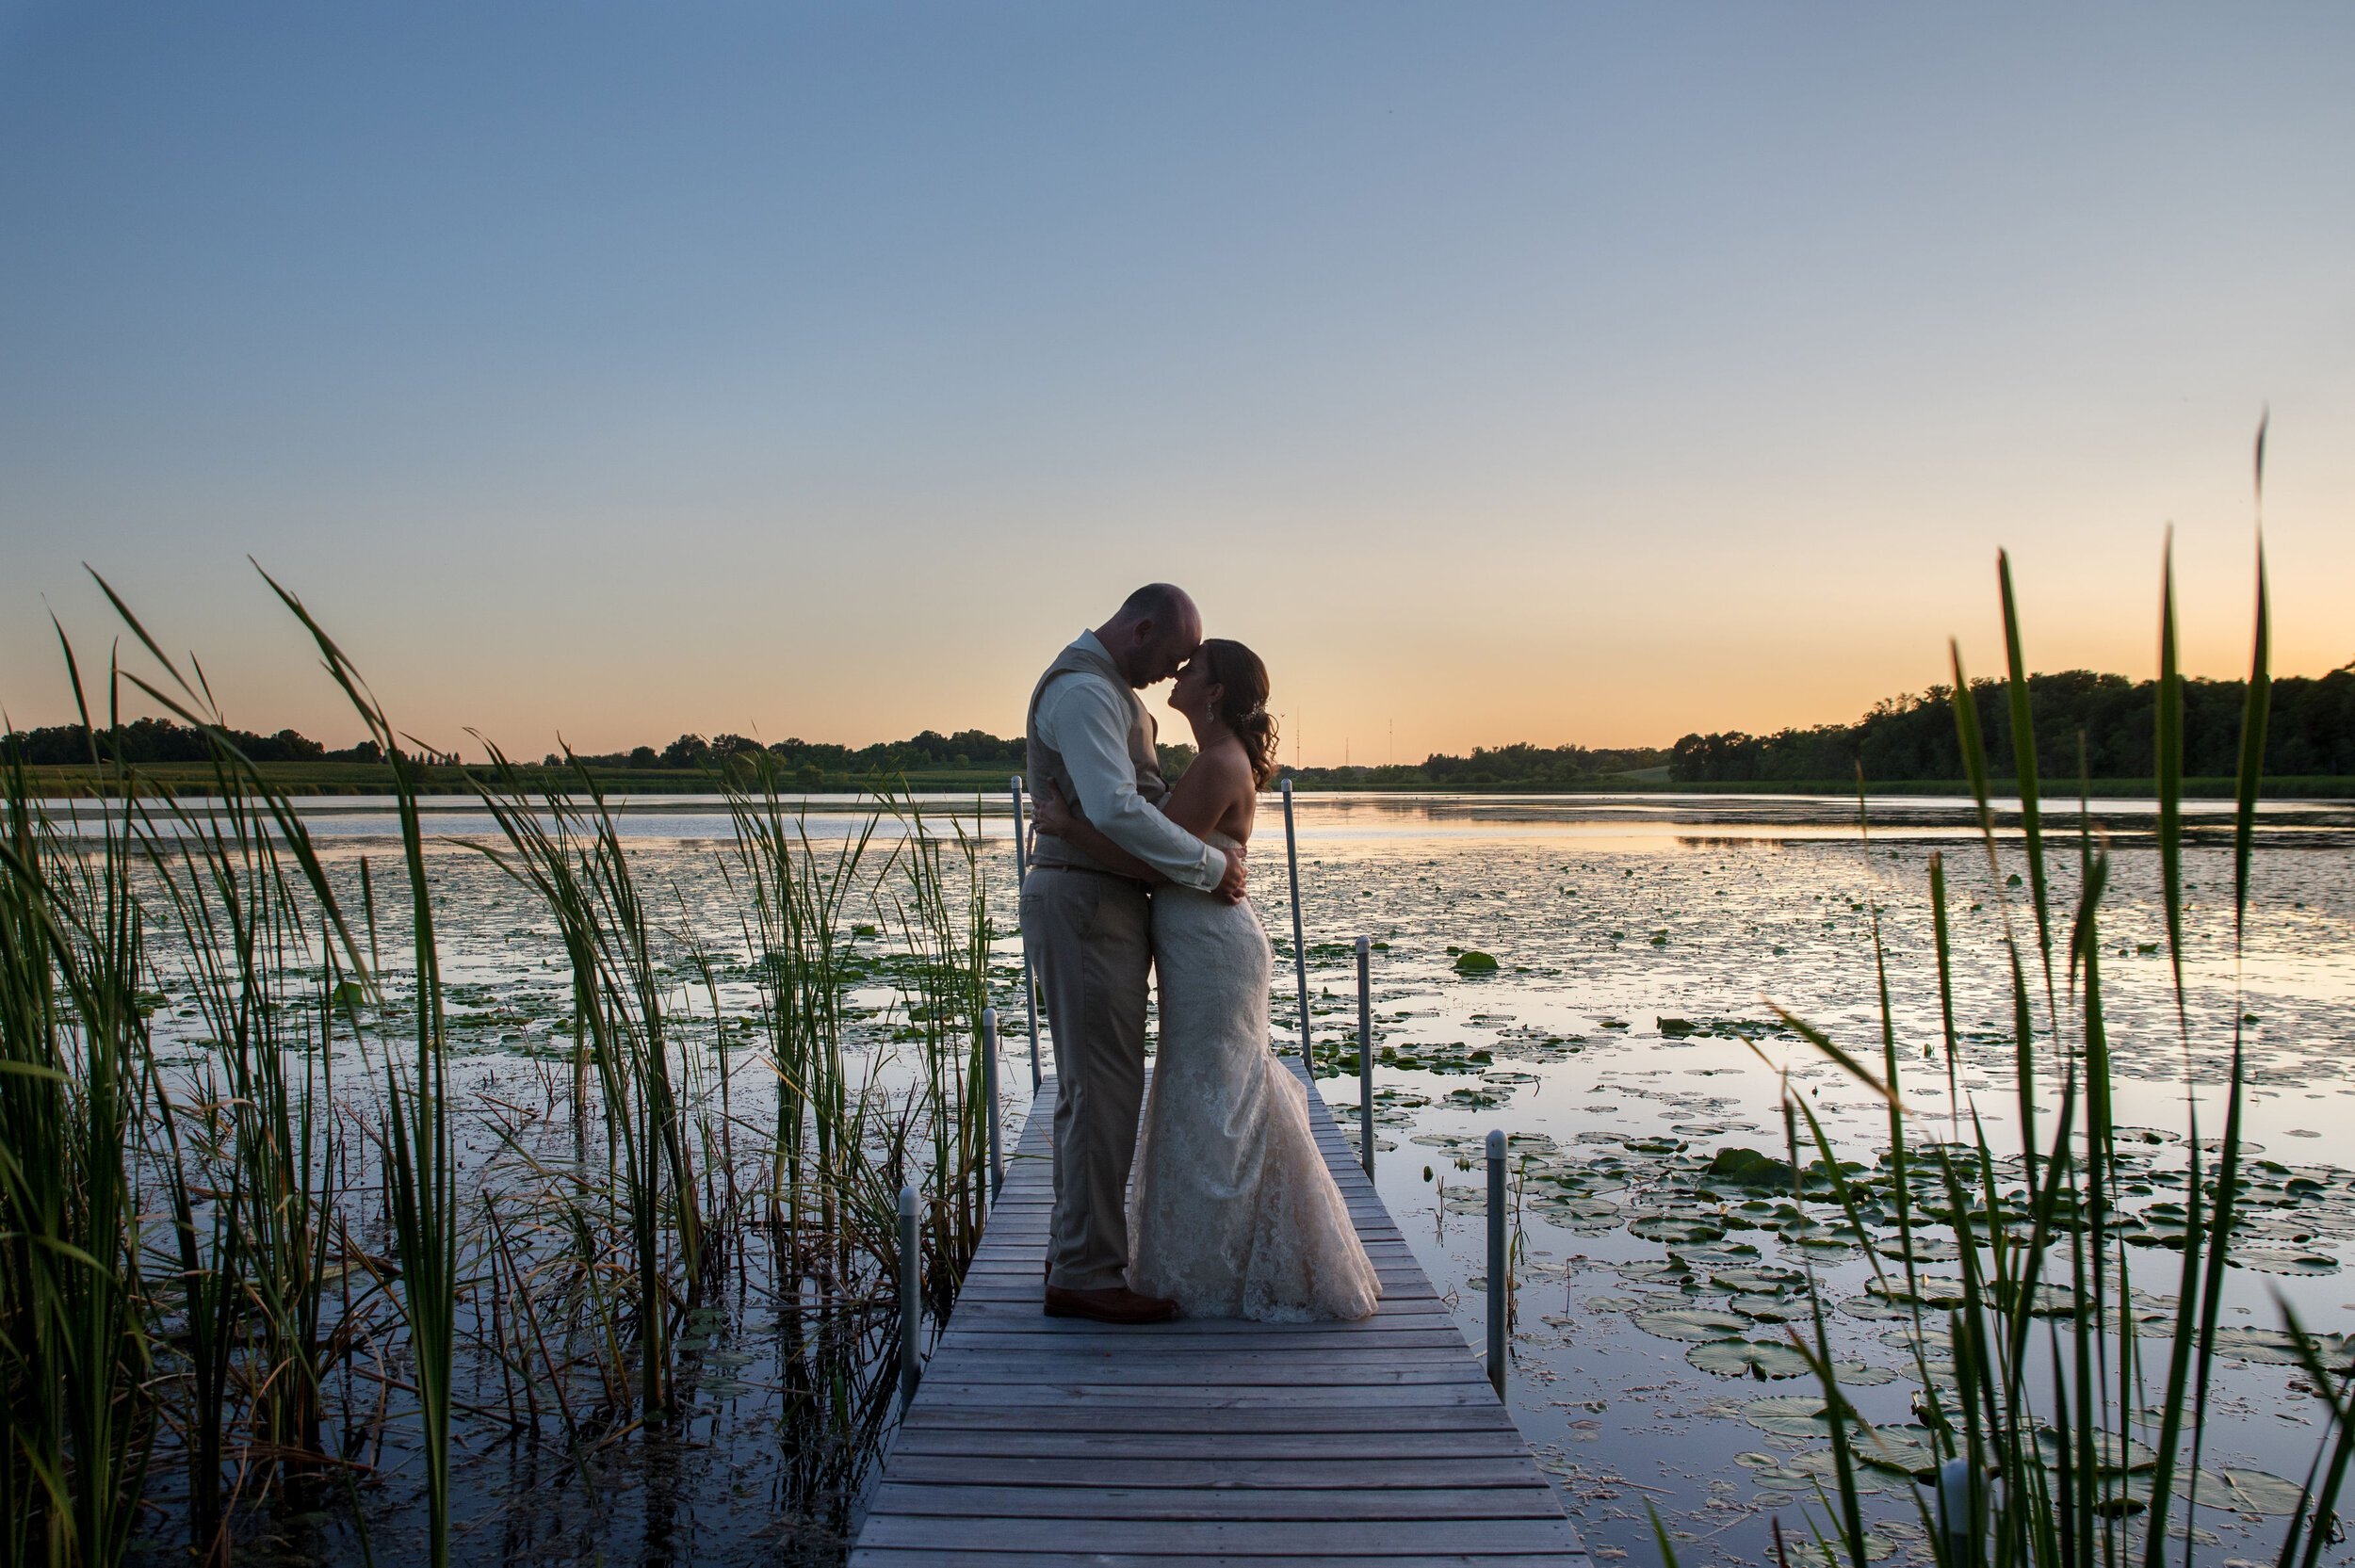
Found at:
(1154, 630)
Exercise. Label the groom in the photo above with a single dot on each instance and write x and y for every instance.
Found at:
(1089, 931)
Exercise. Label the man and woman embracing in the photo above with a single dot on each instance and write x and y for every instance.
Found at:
(1232, 1212)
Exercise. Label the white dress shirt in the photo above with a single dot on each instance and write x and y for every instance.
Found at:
(1086, 720)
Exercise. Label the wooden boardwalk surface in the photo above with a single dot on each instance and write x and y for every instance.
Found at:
(1056, 1442)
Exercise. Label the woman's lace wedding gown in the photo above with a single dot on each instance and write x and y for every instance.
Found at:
(1233, 1213)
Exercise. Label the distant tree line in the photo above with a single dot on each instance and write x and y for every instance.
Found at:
(160, 740)
(1519, 765)
(144, 741)
(927, 752)
(2311, 732)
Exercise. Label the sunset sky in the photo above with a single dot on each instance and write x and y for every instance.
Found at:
(1549, 372)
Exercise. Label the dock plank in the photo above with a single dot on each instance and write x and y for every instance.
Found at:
(1058, 1441)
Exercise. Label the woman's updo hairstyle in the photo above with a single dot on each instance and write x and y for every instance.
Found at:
(1242, 703)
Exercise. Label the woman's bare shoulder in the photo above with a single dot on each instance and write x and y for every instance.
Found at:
(1211, 788)
(1225, 764)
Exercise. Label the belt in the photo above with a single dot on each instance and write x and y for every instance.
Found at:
(1138, 882)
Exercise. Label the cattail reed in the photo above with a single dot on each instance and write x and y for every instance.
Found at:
(298, 1250)
(2072, 1428)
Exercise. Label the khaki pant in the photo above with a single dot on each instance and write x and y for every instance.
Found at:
(1090, 938)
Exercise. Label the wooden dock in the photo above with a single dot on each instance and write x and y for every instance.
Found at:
(1059, 1442)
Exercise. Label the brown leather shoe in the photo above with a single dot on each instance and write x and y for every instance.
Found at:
(1114, 1304)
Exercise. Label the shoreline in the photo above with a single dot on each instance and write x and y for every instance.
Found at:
(329, 780)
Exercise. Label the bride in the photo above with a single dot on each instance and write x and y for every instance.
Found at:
(1232, 1213)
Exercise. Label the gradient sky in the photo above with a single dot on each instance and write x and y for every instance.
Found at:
(1562, 373)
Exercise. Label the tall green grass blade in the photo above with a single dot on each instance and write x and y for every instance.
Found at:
(2181, 1370)
(2246, 790)
(1846, 1062)
(2310, 1530)
(1901, 1176)
(1660, 1537)
(2256, 706)
(199, 713)
(2024, 764)
(417, 1136)
(2168, 741)
(1943, 946)
(1974, 748)
(76, 1405)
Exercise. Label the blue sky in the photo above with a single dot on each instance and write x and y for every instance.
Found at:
(1502, 372)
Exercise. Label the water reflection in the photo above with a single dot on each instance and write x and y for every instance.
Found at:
(1648, 820)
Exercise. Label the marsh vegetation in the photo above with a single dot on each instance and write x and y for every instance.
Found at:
(293, 1261)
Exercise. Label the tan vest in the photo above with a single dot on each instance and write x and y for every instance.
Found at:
(1047, 764)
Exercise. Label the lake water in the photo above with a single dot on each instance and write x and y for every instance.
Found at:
(1627, 1033)
(1608, 918)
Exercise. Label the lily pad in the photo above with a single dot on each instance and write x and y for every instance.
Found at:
(1579, 1214)
(1821, 1465)
(1749, 1358)
(1749, 1167)
(1693, 1324)
(1898, 1448)
(1472, 962)
(2283, 1260)
(1664, 1271)
(1758, 1281)
(2108, 1458)
(1926, 1248)
(1928, 1291)
(2242, 1491)
(1675, 1229)
(1876, 1309)
(1771, 1309)
(2274, 1346)
(1788, 1415)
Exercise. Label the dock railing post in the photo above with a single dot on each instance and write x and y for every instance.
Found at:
(989, 1089)
(1300, 949)
(1365, 1054)
(1957, 1485)
(1497, 1305)
(1022, 876)
(911, 1300)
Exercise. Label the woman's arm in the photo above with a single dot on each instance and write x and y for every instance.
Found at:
(1082, 716)
(1050, 815)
